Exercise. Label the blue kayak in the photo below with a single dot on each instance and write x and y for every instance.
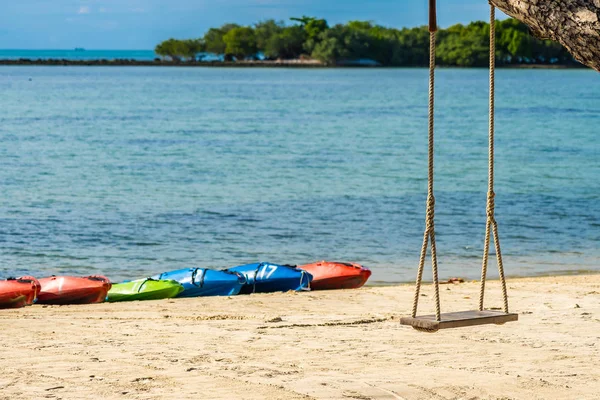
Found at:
(205, 282)
(267, 277)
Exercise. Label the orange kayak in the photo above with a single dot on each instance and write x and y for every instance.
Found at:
(74, 290)
(20, 292)
(336, 275)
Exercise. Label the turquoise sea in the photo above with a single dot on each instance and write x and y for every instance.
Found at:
(72, 54)
(131, 171)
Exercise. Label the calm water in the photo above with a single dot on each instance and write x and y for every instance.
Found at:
(134, 171)
(15, 54)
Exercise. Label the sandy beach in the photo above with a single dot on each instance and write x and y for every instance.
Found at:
(312, 345)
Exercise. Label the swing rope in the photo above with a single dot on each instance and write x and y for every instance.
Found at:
(491, 220)
(429, 235)
(491, 225)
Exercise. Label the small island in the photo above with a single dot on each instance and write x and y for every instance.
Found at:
(309, 42)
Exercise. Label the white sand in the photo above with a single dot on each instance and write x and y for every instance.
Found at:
(318, 345)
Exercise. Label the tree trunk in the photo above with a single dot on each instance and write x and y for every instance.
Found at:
(573, 23)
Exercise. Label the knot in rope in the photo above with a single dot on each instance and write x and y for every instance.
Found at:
(491, 204)
(430, 211)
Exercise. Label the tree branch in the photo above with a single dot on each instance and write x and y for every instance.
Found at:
(573, 23)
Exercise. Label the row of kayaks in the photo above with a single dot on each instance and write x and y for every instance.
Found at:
(192, 282)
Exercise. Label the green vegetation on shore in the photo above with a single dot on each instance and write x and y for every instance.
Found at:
(359, 41)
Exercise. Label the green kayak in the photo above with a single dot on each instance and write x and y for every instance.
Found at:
(144, 289)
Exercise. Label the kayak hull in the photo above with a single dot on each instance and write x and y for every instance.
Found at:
(144, 289)
(62, 290)
(13, 301)
(199, 282)
(267, 278)
(336, 275)
(20, 292)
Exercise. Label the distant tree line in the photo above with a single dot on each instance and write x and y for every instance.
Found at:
(313, 38)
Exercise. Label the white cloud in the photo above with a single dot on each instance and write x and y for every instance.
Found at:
(83, 10)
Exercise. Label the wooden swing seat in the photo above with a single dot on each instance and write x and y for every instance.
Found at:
(459, 319)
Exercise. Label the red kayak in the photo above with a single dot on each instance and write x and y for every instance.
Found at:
(336, 275)
(74, 290)
(20, 292)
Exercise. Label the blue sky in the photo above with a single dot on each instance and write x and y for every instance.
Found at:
(140, 24)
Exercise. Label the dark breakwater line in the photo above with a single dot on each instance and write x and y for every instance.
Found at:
(162, 63)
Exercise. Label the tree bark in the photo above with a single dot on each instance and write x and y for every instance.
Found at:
(573, 23)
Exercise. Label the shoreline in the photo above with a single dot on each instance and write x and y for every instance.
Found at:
(244, 64)
(509, 277)
(309, 345)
